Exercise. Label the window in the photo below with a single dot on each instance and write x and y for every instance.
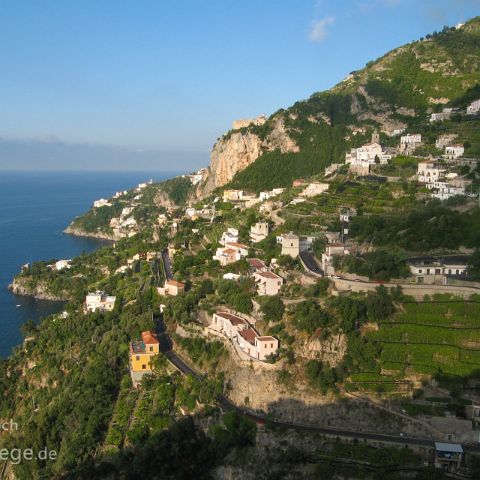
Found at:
(271, 345)
(151, 349)
(137, 358)
(419, 270)
(144, 367)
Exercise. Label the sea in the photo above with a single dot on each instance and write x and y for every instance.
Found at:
(35, 208)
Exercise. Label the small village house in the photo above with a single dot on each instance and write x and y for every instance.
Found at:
(290, 244)
(142, 353)
(257, 265)
(172, 288)
(452, 152)
(244, 336)
(259, 231)
(98, 302)
(448, 456)
(268, 283)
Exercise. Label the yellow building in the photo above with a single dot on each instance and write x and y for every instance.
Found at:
(141, 355)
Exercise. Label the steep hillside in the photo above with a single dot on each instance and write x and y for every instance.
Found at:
(393, 92)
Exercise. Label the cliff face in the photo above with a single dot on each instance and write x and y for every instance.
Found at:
(40, 291)
(236, 151)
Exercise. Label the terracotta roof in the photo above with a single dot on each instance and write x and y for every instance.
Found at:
(229, 251)
(149, 338)
(256, 263)
(234, 319)
(174, 283)
(237, 245)
(249, 335)
(266, 337)
(268, 275)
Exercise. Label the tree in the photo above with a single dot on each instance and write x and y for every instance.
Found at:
(309, 316)
(474, 265)
(379, 304)
(352, 312)
(273, 308)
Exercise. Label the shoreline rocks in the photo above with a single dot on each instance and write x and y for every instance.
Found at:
(40, 292)
(81, 233)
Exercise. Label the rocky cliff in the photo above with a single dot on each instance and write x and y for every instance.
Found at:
(394, 92)
(39, 291)
(239, 148)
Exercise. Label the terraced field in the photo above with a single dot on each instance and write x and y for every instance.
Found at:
(426, 338)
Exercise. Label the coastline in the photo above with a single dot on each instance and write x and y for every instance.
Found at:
(38, 294)
(76, 232)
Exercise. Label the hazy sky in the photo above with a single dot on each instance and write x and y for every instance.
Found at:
(159, 81)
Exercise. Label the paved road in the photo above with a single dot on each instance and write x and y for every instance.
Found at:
(227, 405)
(309, 260)
(167, 265)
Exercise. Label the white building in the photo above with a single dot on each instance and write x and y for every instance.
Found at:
(409, 142)
(259, 231)
(429, 171)
(127, 211)
(425, 269)
(444, 140)
(290, 244)
(446, 190)
(368, 152)
(231, 276)
(99, 301)
(102, 202)
(445, 114)
(268, 283)
(270, 194)
(190, 212)
(453, 152)
(62, 264)
(231, 235)
(474, 107)
(244, 336)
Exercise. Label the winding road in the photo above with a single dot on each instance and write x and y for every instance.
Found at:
(227, 405)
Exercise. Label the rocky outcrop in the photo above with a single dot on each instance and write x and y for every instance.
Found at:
(39, 291)
(78, 232)
(237, 150)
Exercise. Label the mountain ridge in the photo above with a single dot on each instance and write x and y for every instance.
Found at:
(390, 93)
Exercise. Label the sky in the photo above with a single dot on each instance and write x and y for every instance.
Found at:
(131, 84)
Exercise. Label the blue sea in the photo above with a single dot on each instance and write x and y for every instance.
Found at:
(34, 210)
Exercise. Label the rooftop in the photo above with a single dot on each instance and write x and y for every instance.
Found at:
(234, 319)
(268, 275)
(150, 338)
(448, 447)
(249, 335)
(256, 263)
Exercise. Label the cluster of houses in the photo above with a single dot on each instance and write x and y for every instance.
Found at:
(231, 250)
(443, 185)
(98, 302)
(244, 336)
(360, 159)
(447, 112)
(245, 199)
